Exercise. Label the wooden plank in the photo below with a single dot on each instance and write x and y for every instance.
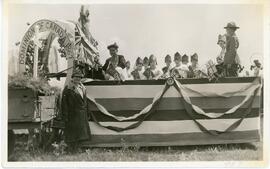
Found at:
(21, 104)
(23, 125)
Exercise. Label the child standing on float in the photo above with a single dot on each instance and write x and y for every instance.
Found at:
(167, 69)
(137, 74)
(176, 70)
(152, 72)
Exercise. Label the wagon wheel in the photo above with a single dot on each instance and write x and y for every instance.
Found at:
(11, 142)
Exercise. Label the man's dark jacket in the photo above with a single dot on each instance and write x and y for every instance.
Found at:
(121, 62)
(232, 44)
(74, 109)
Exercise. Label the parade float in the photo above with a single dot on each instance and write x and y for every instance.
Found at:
(133, 112)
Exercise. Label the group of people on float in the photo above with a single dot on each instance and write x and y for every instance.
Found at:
(117, 68)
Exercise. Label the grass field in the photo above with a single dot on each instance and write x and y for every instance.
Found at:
(247, 151)
(183, 153)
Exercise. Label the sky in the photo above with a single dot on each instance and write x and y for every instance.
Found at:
(159, 29)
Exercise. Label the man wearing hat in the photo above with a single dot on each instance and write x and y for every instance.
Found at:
(74, 110)
(137, 74)
(232, 43)
(113, 49)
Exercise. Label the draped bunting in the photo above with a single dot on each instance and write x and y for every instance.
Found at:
(121, 118)
(146, 111)
(189, 107)
(184, 94)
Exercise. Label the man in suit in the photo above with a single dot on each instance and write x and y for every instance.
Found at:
(113, 49)
(74, 111)
(232, 43)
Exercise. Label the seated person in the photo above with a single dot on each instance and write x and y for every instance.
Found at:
(152, 72)
(137, 74)
(167, 69)
(113, 49)
(114, 72)
(175, 72)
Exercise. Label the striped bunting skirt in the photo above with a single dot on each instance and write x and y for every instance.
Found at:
(169, 124)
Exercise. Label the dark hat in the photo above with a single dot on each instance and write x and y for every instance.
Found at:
(152, 58)
(145, 59)
(168, 58)
(184, 58)
(194, 57)
(139, 61)
(177, 56)
(114, 45)
(77, 73)
(231, 25)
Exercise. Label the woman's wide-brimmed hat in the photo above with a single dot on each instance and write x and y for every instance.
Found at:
(231, 25)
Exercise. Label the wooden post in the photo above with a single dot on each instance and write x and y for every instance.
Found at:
(36, 41)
